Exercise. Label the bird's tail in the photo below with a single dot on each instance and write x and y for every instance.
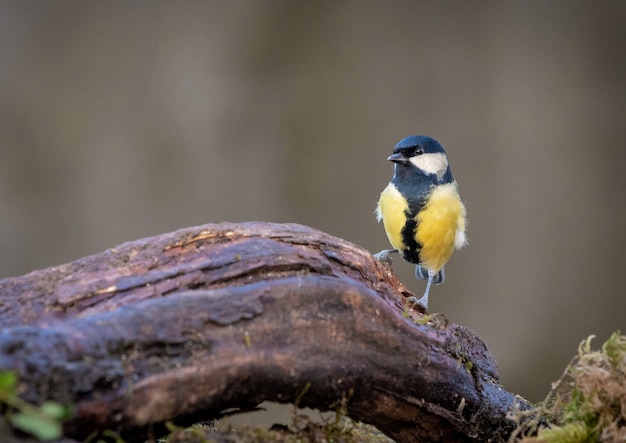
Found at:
(422, 273)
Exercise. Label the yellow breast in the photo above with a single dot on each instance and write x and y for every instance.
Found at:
(391, 210)
(440, 226)
(440, 223)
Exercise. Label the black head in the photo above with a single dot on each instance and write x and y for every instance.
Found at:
(422, 154)
(416, 145)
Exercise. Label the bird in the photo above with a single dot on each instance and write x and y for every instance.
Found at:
(421, 210)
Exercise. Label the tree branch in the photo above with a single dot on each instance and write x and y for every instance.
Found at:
(185, 325)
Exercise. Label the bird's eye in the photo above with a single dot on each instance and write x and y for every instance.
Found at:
(418, 151)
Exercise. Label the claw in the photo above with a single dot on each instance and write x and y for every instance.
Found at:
(421, 301)
(385, 256)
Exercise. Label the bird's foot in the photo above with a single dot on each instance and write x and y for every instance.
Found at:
(385, 256)
(419, 301)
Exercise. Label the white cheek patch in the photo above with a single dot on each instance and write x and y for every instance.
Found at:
(434, 163)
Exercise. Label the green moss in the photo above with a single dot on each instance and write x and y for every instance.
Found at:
(588, 403)
(44, 421)
(343, 431)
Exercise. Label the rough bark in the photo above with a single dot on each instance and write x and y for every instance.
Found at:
(183, 326)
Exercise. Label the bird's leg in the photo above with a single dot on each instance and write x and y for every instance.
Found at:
(424, 300)
(384, 255)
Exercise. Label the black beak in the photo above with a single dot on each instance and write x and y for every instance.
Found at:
(397, 158)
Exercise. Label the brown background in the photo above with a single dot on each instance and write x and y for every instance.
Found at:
(120, 120)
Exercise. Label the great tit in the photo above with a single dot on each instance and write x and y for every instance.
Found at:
(421, 209)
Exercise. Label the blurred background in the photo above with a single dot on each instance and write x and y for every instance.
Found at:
(121, 120)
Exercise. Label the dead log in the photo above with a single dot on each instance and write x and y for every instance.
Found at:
(183, 326)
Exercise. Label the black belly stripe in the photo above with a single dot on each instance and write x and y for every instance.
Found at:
(411, 251)
(415, 187)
